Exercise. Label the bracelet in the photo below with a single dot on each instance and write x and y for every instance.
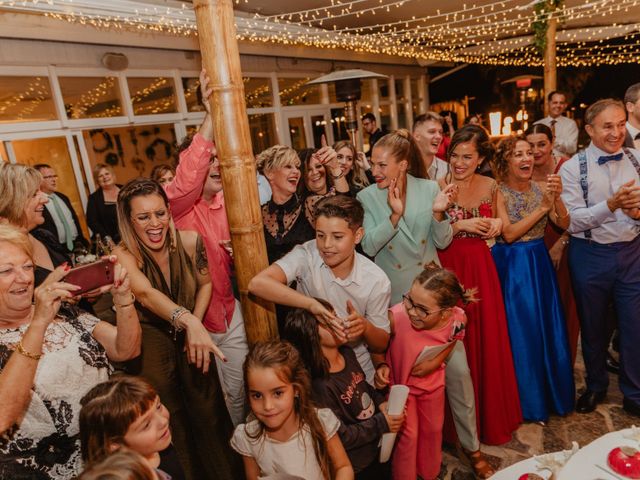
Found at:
(175, 315)
(336, 177)
(133, 300)
(22, 351)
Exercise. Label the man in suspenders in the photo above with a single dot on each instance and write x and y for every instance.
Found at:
(602, 193)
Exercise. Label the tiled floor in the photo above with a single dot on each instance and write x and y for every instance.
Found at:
(533, 439)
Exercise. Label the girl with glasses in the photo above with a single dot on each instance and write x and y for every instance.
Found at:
(425, 328)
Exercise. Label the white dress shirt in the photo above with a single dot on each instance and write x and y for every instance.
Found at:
(438, 169)
(603, 182)
(367, 286)
(67, 218)
(566, 131)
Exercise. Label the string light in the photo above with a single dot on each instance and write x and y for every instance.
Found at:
(495, 33)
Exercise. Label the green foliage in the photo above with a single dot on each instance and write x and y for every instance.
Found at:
(542, 10)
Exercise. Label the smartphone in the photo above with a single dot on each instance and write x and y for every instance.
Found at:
(91, 276)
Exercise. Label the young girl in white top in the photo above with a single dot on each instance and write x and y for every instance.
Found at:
(288, 435)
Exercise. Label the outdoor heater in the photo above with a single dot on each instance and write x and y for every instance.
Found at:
(348, 90)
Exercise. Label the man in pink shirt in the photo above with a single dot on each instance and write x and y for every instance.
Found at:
(197, 203)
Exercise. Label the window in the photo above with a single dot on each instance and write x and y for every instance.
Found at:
(257, 92)
(263, 131)
(383, 88)
(26, 99)
(365, 92)
(294, 91)
(190, 87)
(151, 96)
(91, 97)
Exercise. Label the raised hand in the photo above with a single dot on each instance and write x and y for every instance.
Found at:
(328, 157)
(394, 198)
(205, 90)
(445, 198)
(361, 160)
(50, 294)
(355, 323)
(554, 185)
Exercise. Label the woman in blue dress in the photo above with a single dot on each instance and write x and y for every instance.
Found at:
(537, 328)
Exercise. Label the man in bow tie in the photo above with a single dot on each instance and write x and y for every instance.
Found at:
(602, 193)
(632, 102)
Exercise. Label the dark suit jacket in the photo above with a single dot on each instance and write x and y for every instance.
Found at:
(628, 141)
(373, 138)
(50, 225)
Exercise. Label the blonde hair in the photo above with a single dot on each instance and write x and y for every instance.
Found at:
(18, 183)
(276, 157)
(14, 236)
(357, 176)
(102, 166)
(403, 147)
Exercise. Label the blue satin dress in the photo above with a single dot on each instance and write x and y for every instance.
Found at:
(535, 318)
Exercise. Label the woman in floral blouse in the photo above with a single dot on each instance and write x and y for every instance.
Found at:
(51, 354)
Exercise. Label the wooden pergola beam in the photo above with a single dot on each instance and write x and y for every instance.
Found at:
(221, 59)
(550, 69)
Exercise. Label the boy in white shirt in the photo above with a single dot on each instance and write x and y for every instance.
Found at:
(330, 268)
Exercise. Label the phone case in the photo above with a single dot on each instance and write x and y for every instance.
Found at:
(91, 276)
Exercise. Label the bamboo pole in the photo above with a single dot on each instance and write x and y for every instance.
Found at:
(221, 59)
(550, 79)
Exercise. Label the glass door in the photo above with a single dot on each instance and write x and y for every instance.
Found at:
(306, 127)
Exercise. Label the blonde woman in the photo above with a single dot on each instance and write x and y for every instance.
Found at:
(101, 207)
(355, 166)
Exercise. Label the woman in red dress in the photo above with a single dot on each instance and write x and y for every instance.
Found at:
(468, 255)
(540, 137)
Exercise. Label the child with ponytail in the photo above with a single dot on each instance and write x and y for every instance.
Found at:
(428, 316)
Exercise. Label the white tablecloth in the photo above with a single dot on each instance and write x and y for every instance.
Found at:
(525, 466)
(582, 465)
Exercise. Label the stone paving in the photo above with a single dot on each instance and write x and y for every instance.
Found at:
(558, 433)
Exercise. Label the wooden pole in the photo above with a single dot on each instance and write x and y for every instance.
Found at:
(221, 59)
(550, 79)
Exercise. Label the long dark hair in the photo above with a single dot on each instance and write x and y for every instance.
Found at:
(472, 134)
(285, 360)
(301, 329)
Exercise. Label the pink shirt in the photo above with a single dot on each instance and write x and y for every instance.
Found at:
(407, 343)
(191, 212)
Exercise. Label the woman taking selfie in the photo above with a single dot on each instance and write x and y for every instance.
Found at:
(51, 354)
(170, 279)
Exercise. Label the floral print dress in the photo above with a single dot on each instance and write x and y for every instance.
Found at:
(45, 443)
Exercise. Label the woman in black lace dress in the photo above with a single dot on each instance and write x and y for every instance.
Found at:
(288, 215)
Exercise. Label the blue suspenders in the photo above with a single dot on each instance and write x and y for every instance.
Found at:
(584, 184)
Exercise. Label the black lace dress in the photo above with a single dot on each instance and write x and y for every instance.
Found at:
(289, 224)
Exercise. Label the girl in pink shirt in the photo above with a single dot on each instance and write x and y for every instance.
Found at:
(427, 319)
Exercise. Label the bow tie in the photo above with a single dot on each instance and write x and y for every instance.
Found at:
(609, 158)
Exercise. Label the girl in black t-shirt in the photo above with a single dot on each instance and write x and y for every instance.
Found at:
(339, 383)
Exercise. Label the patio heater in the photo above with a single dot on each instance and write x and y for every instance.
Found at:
(348, 90)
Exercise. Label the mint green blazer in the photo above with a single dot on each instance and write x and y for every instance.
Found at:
(402, 251)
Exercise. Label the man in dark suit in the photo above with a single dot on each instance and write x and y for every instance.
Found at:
(370, 126)
(632, 104)
(60, 219)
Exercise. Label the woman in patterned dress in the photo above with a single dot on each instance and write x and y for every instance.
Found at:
(51, 354)
(537, 328)
(487, 339)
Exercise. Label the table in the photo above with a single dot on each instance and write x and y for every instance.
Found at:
(582, 465)
(525, 466)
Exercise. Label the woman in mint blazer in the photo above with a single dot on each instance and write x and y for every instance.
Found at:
(404, 220)
(404, 224)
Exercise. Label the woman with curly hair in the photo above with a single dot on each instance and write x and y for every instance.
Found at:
(537, 328)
